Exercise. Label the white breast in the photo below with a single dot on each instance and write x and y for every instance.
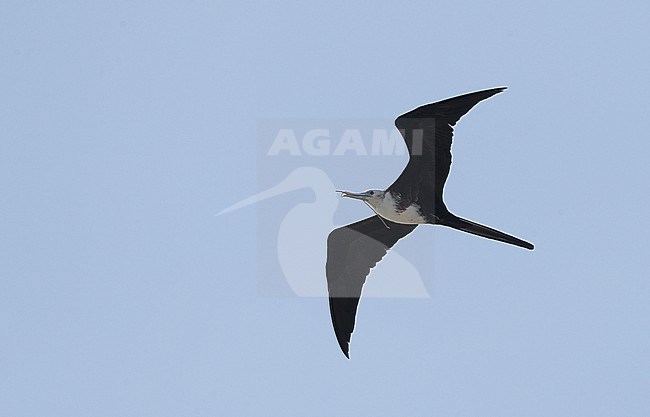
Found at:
(388, 210)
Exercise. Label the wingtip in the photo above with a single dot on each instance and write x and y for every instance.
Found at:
(525, 245)
(345, 350)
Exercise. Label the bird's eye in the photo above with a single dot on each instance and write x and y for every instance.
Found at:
(372, 193)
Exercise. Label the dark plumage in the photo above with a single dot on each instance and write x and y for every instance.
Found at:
(416, 197)
(352, 251)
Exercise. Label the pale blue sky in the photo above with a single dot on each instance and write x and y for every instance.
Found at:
(126, 127)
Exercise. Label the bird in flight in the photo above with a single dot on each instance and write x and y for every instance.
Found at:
(416, 197)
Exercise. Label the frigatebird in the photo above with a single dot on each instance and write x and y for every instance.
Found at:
(416, 197)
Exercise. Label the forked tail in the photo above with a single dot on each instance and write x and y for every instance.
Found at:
(484, 231)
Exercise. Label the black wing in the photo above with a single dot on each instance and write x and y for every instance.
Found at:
(352, 251)
(427, 131)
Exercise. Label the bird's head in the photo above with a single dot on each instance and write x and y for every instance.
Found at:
(373, 197)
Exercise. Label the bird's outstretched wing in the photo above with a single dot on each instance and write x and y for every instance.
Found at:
(352, 251)
(428, 131)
